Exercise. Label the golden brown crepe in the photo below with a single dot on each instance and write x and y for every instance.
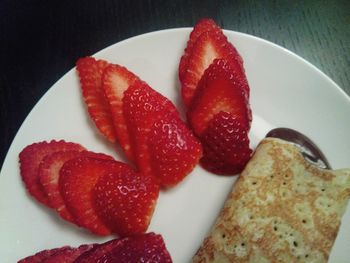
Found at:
(281, 209)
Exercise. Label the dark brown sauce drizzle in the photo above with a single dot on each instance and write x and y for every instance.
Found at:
(308, 148)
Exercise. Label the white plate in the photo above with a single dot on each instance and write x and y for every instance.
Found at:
(285, 91)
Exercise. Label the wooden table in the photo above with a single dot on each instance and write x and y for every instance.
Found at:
(41, 40)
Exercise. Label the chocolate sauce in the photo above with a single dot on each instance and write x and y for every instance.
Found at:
(307, 147)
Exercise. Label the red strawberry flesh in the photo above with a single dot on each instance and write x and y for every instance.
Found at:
(49, 176)
(204, 46)
(30, 158)
(116, 80)
(203, 25)
(125, 200)
(174, 150)
(225, 145)
(41, 255)
(209, 46)
(218, 90)
(90, 74)
(77, 179)
(142, 106)
(139, 248)
(68, 254)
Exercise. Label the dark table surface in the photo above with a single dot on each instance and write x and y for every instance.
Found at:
(41, 40)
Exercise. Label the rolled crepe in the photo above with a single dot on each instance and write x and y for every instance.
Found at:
(281, 209)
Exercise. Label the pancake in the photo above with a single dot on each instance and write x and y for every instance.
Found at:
(281, 209)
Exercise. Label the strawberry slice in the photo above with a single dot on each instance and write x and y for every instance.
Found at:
(41, 255)
(164, 146)
(116, 79)
(148, 247)
(218, 90)
(125, 200)
(225, 144)
(203, 25)
(49, 169)
(90, 74)
(77, 179)
(30, 158)
(49, 173)
(67, 254)
(209, 45)
(174, 150)
(142, 107)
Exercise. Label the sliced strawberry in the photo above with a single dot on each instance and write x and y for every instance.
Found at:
(49, 173)
(125, 200)
(30, 158)
(90, 73)
(116, 79)
(225, 144)
(42, 255)
(174, 150)
(77, 179)
(203, 25)
(142, 107)
(140, 248)
(68, 254)
(218, 90)
(210, 45)
(49, 169)
(96, 155)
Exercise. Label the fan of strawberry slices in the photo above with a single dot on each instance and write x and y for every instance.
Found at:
(94, 191)
(145, 123)
(215, 92)
(91, 190)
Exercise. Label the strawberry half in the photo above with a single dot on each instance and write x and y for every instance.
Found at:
(140, 248)
(125, 200)
(225, 144)
(49, 170)
(142, 107)
(90, 73)
(203, 25)
(116, 80)
(174, 150)
(30, 158)
(218, 90)
(208, 46)
(77, 179)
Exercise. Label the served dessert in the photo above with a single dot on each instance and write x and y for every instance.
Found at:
(281, 209)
